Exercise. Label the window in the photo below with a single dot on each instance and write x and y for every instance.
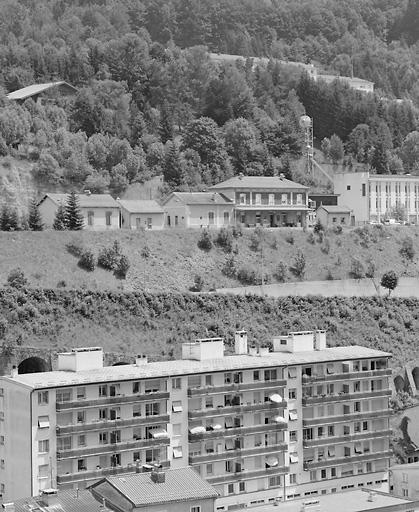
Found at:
(149, 223)
(293, 457)
(114, 390)
(2, 488)
(226, 218)
(242, 487)
(177, 452)
(299, 198)
(405, 492)
(90, 218)
(270, 375)
(357, 407)
(2, 440)
(152, 409)
(63, 396)
(292, 394)
(256, 375)
(177, 383)
(81, 416)
(136, 456)
(211, 217)
(258, 198)
(43, 421)
(271, 199)
(115, 413)
(333, 472)
(342, 220)
(194, 381)
(136, 410)
(230, 489)
(115, 436)
(42, 397)
(209, 402)
(81, 393)
(64, 443)
(348, 187)
(293, 436)
(405, 478)
(242, 199)
(108, 218)
(103, 390)
(136, 387)
(103, 438)
(323, 474)
(364, 190)
(292, 373)
(81, 440)
(43, 471)
(293, 415)
(177, 406)
(103, 414)
(293, 479)
(81, 465)
(209, 469)
(313, 476)
(43, 446)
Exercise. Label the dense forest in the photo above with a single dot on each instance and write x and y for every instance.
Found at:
(150, 101)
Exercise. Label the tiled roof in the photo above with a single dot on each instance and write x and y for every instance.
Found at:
(141, 206)
(157, 369)
(273, 182)
(33, 90)
(86, 200)
(66, 501)
(335, 209)
(200, 198)
(182, 484)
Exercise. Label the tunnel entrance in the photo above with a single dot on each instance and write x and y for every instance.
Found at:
(33, 365)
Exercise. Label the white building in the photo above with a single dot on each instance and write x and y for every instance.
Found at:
(299, 421)
(100, 211)
(141, 214)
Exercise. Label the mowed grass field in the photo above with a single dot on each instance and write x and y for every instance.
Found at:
(175, 259)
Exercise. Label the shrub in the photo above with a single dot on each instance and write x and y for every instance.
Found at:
(318, 227)
(123, 266)
(256, 239)
(198, 284)
(281, 272)
(329, 275)
(17, 278)
(145, 252)
(225, 239)
(371, 269)
(289, 237)
(87, 260)
(61, 284)
(407, 251)
(237, 231)
(205, 241)
(311, 238)
(75, 247)
(337, 229)
(357, 270)
(389, 281)
(299, 265)
(109, 256)
(229, 268)
(248, 275)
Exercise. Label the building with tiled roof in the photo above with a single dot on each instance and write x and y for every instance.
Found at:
(269, 201)
(141, 213)
(198, 210)
(100, 211)
(255, 424)
(179, 487)
(50, 500)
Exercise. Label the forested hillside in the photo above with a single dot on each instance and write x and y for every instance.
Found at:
(150, 101)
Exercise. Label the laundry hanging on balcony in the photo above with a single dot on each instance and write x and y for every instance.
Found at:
(198, 430)
(272, 461)
(280, 419)
(275, 398)
(159, 433)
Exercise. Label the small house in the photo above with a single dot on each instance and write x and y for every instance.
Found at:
(137, 214)
(333, 215)
(100, 211)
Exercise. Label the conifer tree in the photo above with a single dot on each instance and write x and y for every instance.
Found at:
(74, 217)
(60, 220)
(9, 220)
(166, 126)
(172, 170)
(34, 218)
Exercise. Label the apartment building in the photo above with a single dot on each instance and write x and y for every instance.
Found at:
(259, 425)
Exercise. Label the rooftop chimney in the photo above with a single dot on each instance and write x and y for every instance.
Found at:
(240, 342)
(14, 374)
(371, 496)
(141, 360)
(50, 497)
(158, 476)
(138, 468)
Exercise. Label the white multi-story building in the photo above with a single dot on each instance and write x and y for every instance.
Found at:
(300, 420)
(374, 197)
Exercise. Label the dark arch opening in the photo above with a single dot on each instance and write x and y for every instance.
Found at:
(120, 363)
(415, 375)
(399, 383)
(33, 365)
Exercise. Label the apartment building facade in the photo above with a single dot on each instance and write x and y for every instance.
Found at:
(258, 425)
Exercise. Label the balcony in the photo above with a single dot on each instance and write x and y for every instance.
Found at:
(361, 436)
(235, 431)
(236, 409)
(385, 372)
(343, 397)
(238, 452)
(247, 475)
(346, 460)
(111, 448)
(240, 386)
(82, 476)
(111, 424)
(327, 420)
(112, 400)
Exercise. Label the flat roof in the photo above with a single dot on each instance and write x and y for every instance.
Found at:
(348, 501)
(178, 367)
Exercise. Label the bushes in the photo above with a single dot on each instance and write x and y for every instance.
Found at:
(109, 257)
(205, 241)
(229, 268)
(299, 265)
(16, 278)
(225, 239)
(75, 247)
(122, 267)
(198, 284)
(281, 272)
(248, 276)
(407, 251)
(357, 270)
(87, 260)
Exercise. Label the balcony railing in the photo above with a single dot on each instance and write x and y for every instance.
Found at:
(111, 448)
(236, 409)
(239, 386)
(308, 422)
(111, 400)
(248, 474)
(385, 372)
(82, 476)
(238, 452)
(111, 424)
(235, 431)
(342, 396)
(345, 460)
(361, 436)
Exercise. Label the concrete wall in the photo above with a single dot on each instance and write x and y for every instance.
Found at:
(327, 218)
(351, 186)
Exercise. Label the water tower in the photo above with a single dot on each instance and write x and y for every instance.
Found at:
(306, 123)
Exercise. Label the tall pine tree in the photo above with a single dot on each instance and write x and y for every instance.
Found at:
(60, 220)
(74, 217)
(34, 218)
(172, 169)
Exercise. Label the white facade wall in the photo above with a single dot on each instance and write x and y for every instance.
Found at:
(353, 193)
(387, 193)
(145, 220)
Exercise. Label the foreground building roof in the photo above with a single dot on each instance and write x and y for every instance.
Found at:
(200, 198)
(245, 182)
(74, 500)
(85, 200)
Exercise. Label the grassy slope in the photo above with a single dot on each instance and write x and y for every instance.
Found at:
(157, 323)
(175, 258)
